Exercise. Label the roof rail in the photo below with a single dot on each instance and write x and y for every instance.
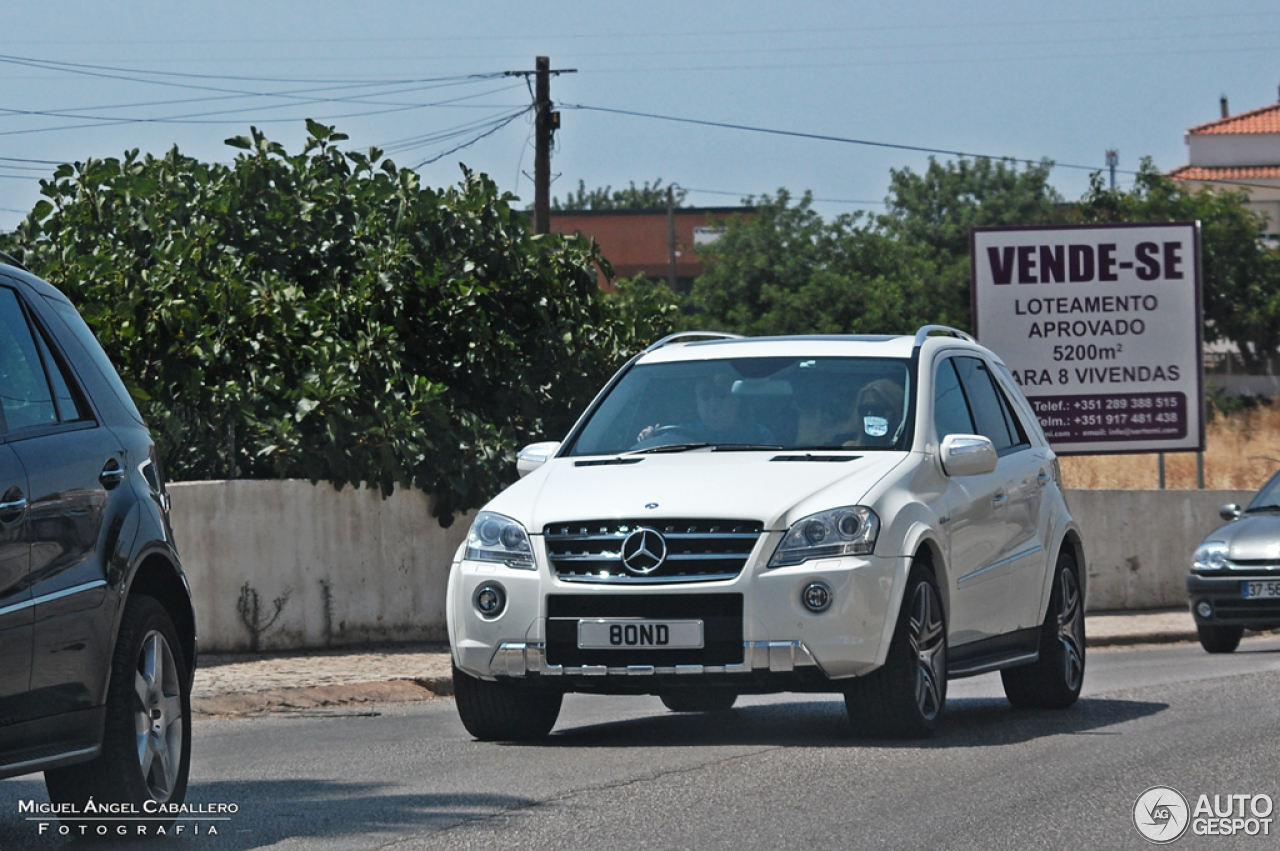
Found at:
(680, 335)
(10, 260)
(927, 330)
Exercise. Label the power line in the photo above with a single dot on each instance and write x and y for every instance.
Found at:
(420, 141)
(194, 117)
(754, 195)
(85, 68)
(471, 142)
(294, 94)
(822, 137)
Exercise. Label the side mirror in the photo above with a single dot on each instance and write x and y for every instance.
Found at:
(968, 455)
(535, 455)
(1230, 511)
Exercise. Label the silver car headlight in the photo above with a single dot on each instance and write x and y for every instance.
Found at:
(849, 531)
(494, 537)
(1211, 555)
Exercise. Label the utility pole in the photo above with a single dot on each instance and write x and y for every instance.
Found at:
(546, 122)
(1113, 160)
(542, 135)
(671, 237)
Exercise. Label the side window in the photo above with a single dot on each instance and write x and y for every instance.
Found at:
(69, 402)
(989, 411)
(25, 396)
(1023, 416)
(950, 410)
(1016, 431)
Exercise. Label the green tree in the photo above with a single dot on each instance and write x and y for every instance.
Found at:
(1241, 274)
(349, 324)
(931, 214)
(634, 197)
(785, 270)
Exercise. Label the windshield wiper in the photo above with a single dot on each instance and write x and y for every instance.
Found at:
(1261, 508)
(668, 447)
(744, 447)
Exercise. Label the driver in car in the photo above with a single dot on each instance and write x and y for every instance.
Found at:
(720, 418)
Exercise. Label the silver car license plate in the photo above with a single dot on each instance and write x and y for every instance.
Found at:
(618, 633)
(1266, 588)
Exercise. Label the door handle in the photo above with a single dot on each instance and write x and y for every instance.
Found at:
(12, 504)
(112, 474)
(1042, 479)
(999, 499)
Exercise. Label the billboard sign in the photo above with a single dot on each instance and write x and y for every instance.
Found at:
(1101, 327)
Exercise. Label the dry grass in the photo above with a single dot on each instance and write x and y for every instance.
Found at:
(1242, 451)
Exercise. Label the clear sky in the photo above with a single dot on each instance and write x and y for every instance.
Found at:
(1026, 80)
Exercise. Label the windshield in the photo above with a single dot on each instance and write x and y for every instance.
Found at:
(1268, 497)
(753, 403)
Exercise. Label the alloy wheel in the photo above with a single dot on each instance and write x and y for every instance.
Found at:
(1071, 629)
(158, 719)
(928, 643)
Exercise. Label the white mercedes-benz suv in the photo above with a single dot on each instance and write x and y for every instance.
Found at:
(865, 515)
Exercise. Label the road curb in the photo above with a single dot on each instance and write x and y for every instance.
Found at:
(1160, 637)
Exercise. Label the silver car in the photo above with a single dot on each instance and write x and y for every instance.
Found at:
(1235, 574)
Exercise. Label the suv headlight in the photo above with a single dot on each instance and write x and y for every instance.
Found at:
(494, 537)
(1211, 555)
(849, 531)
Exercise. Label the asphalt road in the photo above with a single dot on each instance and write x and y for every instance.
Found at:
(776, 772)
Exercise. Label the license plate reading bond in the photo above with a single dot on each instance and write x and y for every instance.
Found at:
(1270, 588)
(613, 634)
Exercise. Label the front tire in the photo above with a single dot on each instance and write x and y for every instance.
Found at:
(699, 701)
(904, 698)
(1054, 680)
(1219, 639)
(146, 743)
(502, 712)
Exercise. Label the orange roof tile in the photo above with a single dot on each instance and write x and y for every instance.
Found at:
(1195, 172)
(1264, 120)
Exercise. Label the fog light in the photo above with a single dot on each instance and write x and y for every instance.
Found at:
(1203, 609)
(817, 597)
(490, 600)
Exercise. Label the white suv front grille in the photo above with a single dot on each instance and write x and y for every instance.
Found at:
(684, 550)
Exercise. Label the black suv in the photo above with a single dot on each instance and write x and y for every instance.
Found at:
(97, 630)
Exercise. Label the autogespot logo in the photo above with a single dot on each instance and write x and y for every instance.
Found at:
(643, 551)
(1161, 814)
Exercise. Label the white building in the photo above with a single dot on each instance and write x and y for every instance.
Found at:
(1240, 152)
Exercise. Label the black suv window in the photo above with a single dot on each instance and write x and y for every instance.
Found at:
(25, 398)
(991, 410)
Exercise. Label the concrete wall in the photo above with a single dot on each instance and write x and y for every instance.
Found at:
(353, 568)
(1138, 544)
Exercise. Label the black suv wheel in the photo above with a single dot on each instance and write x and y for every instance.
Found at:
(146, 747)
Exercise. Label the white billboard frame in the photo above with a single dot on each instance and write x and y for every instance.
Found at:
(1094, 284)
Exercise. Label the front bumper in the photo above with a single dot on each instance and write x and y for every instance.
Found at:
(1228, 605)
(783, 646)
(767, 666)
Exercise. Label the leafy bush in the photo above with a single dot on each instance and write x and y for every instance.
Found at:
(327, 316)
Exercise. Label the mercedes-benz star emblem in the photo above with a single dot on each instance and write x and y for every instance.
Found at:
(644, 551)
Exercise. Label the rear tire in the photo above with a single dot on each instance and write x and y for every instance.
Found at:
(1220, 639)
(502, 712)
(146, 742)
(904, 698)
(699, 701)
(1053, 681)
